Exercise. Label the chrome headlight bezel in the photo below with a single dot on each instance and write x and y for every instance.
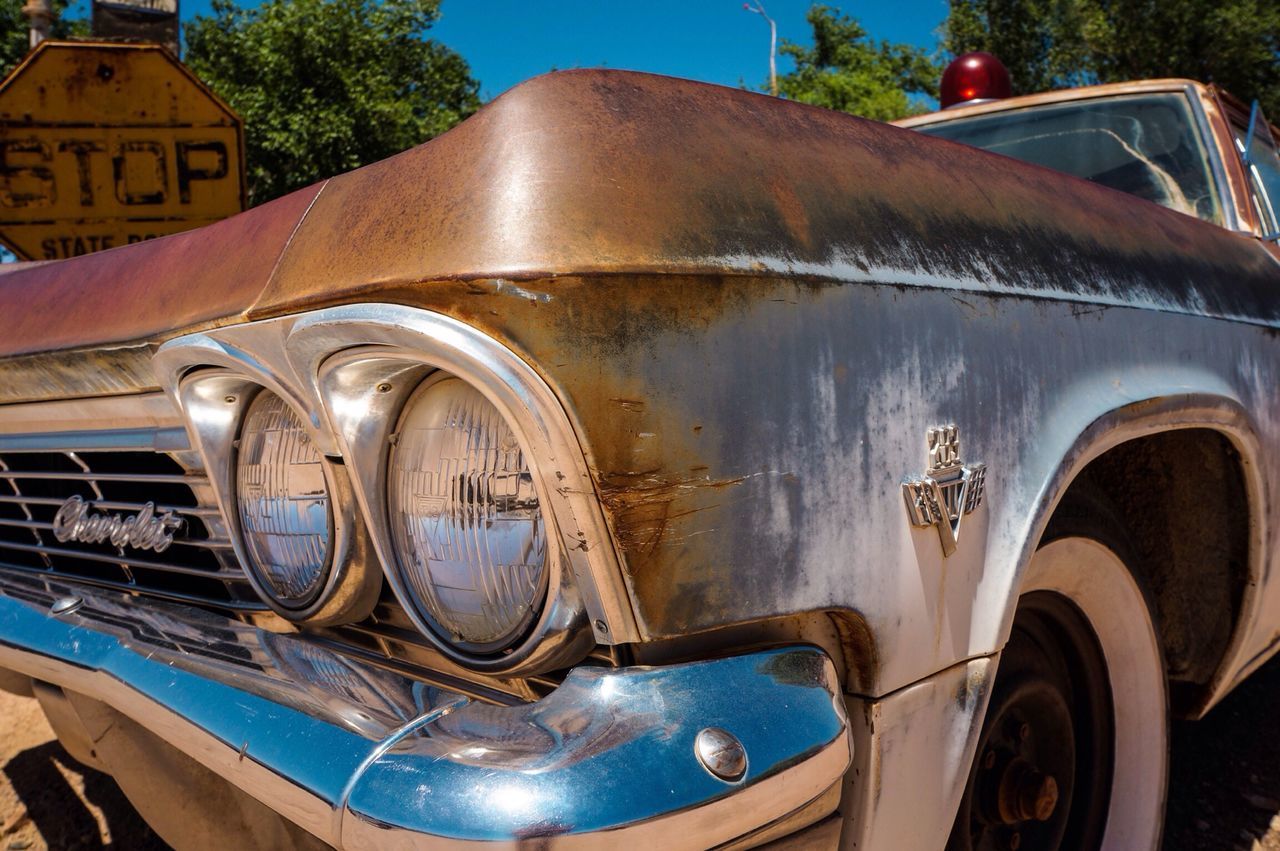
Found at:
(366, 390)
(216, 401)
(351, 369)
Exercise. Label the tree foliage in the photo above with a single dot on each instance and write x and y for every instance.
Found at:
(1054, 43)
(846, 70)
(325, 86)
(15, 30)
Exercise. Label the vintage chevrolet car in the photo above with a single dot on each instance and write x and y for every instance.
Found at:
(645, 463)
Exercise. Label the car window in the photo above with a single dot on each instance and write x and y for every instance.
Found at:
(1146, 145)
(1264, 168)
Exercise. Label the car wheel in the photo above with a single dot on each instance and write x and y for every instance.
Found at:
(1073, 752)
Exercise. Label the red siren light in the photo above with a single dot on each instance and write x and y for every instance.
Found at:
(973, 77)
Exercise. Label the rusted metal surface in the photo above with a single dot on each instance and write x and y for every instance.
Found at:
(604, 172)
(597, 172)
(103, 145)
(150, 290)
(753, 309)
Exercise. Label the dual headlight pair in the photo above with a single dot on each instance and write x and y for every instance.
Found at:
(470, 539)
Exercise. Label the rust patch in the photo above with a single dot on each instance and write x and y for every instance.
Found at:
(858, 650)
(643, 505)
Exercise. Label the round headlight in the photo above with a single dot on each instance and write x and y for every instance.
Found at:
(286, 523)
(470, 537)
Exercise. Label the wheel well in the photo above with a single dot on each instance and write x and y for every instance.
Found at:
(1174, 507)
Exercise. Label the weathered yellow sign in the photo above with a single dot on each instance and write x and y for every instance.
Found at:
(107, 144)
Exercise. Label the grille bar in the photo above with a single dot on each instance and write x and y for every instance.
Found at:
(167, 567)
(102, 477)
(175, 596)
(111, 506)
(198, 567)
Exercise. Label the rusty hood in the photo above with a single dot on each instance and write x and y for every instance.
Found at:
(605, 172)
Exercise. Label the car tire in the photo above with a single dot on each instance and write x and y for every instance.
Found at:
(1074, 751)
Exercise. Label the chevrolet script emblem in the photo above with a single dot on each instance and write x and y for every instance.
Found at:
(146, 530)
(949, 490)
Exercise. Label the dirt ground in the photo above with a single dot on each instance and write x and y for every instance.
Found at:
(48, 800)
(1224, 787)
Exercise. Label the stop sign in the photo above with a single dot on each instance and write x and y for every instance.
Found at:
(106, 144)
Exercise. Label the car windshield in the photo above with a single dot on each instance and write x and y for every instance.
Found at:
(1146, 145)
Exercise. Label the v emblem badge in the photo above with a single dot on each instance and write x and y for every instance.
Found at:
(948, 491)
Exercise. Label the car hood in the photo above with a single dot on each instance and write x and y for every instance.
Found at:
(606, 173)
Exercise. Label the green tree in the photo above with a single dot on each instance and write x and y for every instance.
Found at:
(325, 86)
(846, 70)
(1041, 42)
(15, 30)
(1054, 43)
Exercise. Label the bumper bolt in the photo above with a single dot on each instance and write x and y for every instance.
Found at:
(65, 605)
(721, 753)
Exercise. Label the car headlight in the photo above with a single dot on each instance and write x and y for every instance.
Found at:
(286, 521)
(469, 533)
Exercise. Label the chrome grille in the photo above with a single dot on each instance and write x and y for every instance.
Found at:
(199, 566)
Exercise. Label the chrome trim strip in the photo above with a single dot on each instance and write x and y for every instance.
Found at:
(78, 373)
(156, 478)
(204, 544)
(362, 757)
(165, 439)
(152, 411)
(1218, 168)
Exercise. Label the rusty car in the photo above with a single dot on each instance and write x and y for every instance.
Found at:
(646, 462)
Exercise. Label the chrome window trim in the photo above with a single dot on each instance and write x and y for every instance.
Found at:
(215, 400)
(1217, 164)
(313, 360)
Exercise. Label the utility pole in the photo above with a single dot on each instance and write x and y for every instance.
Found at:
(758, 7)
(41, 16)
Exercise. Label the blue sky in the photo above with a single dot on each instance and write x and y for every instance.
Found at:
(507, 41)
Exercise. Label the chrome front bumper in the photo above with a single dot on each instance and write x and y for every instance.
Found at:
(362, 757)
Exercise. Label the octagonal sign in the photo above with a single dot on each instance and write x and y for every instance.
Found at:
(106, 144)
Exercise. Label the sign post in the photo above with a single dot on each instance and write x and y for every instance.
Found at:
(106, 144)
